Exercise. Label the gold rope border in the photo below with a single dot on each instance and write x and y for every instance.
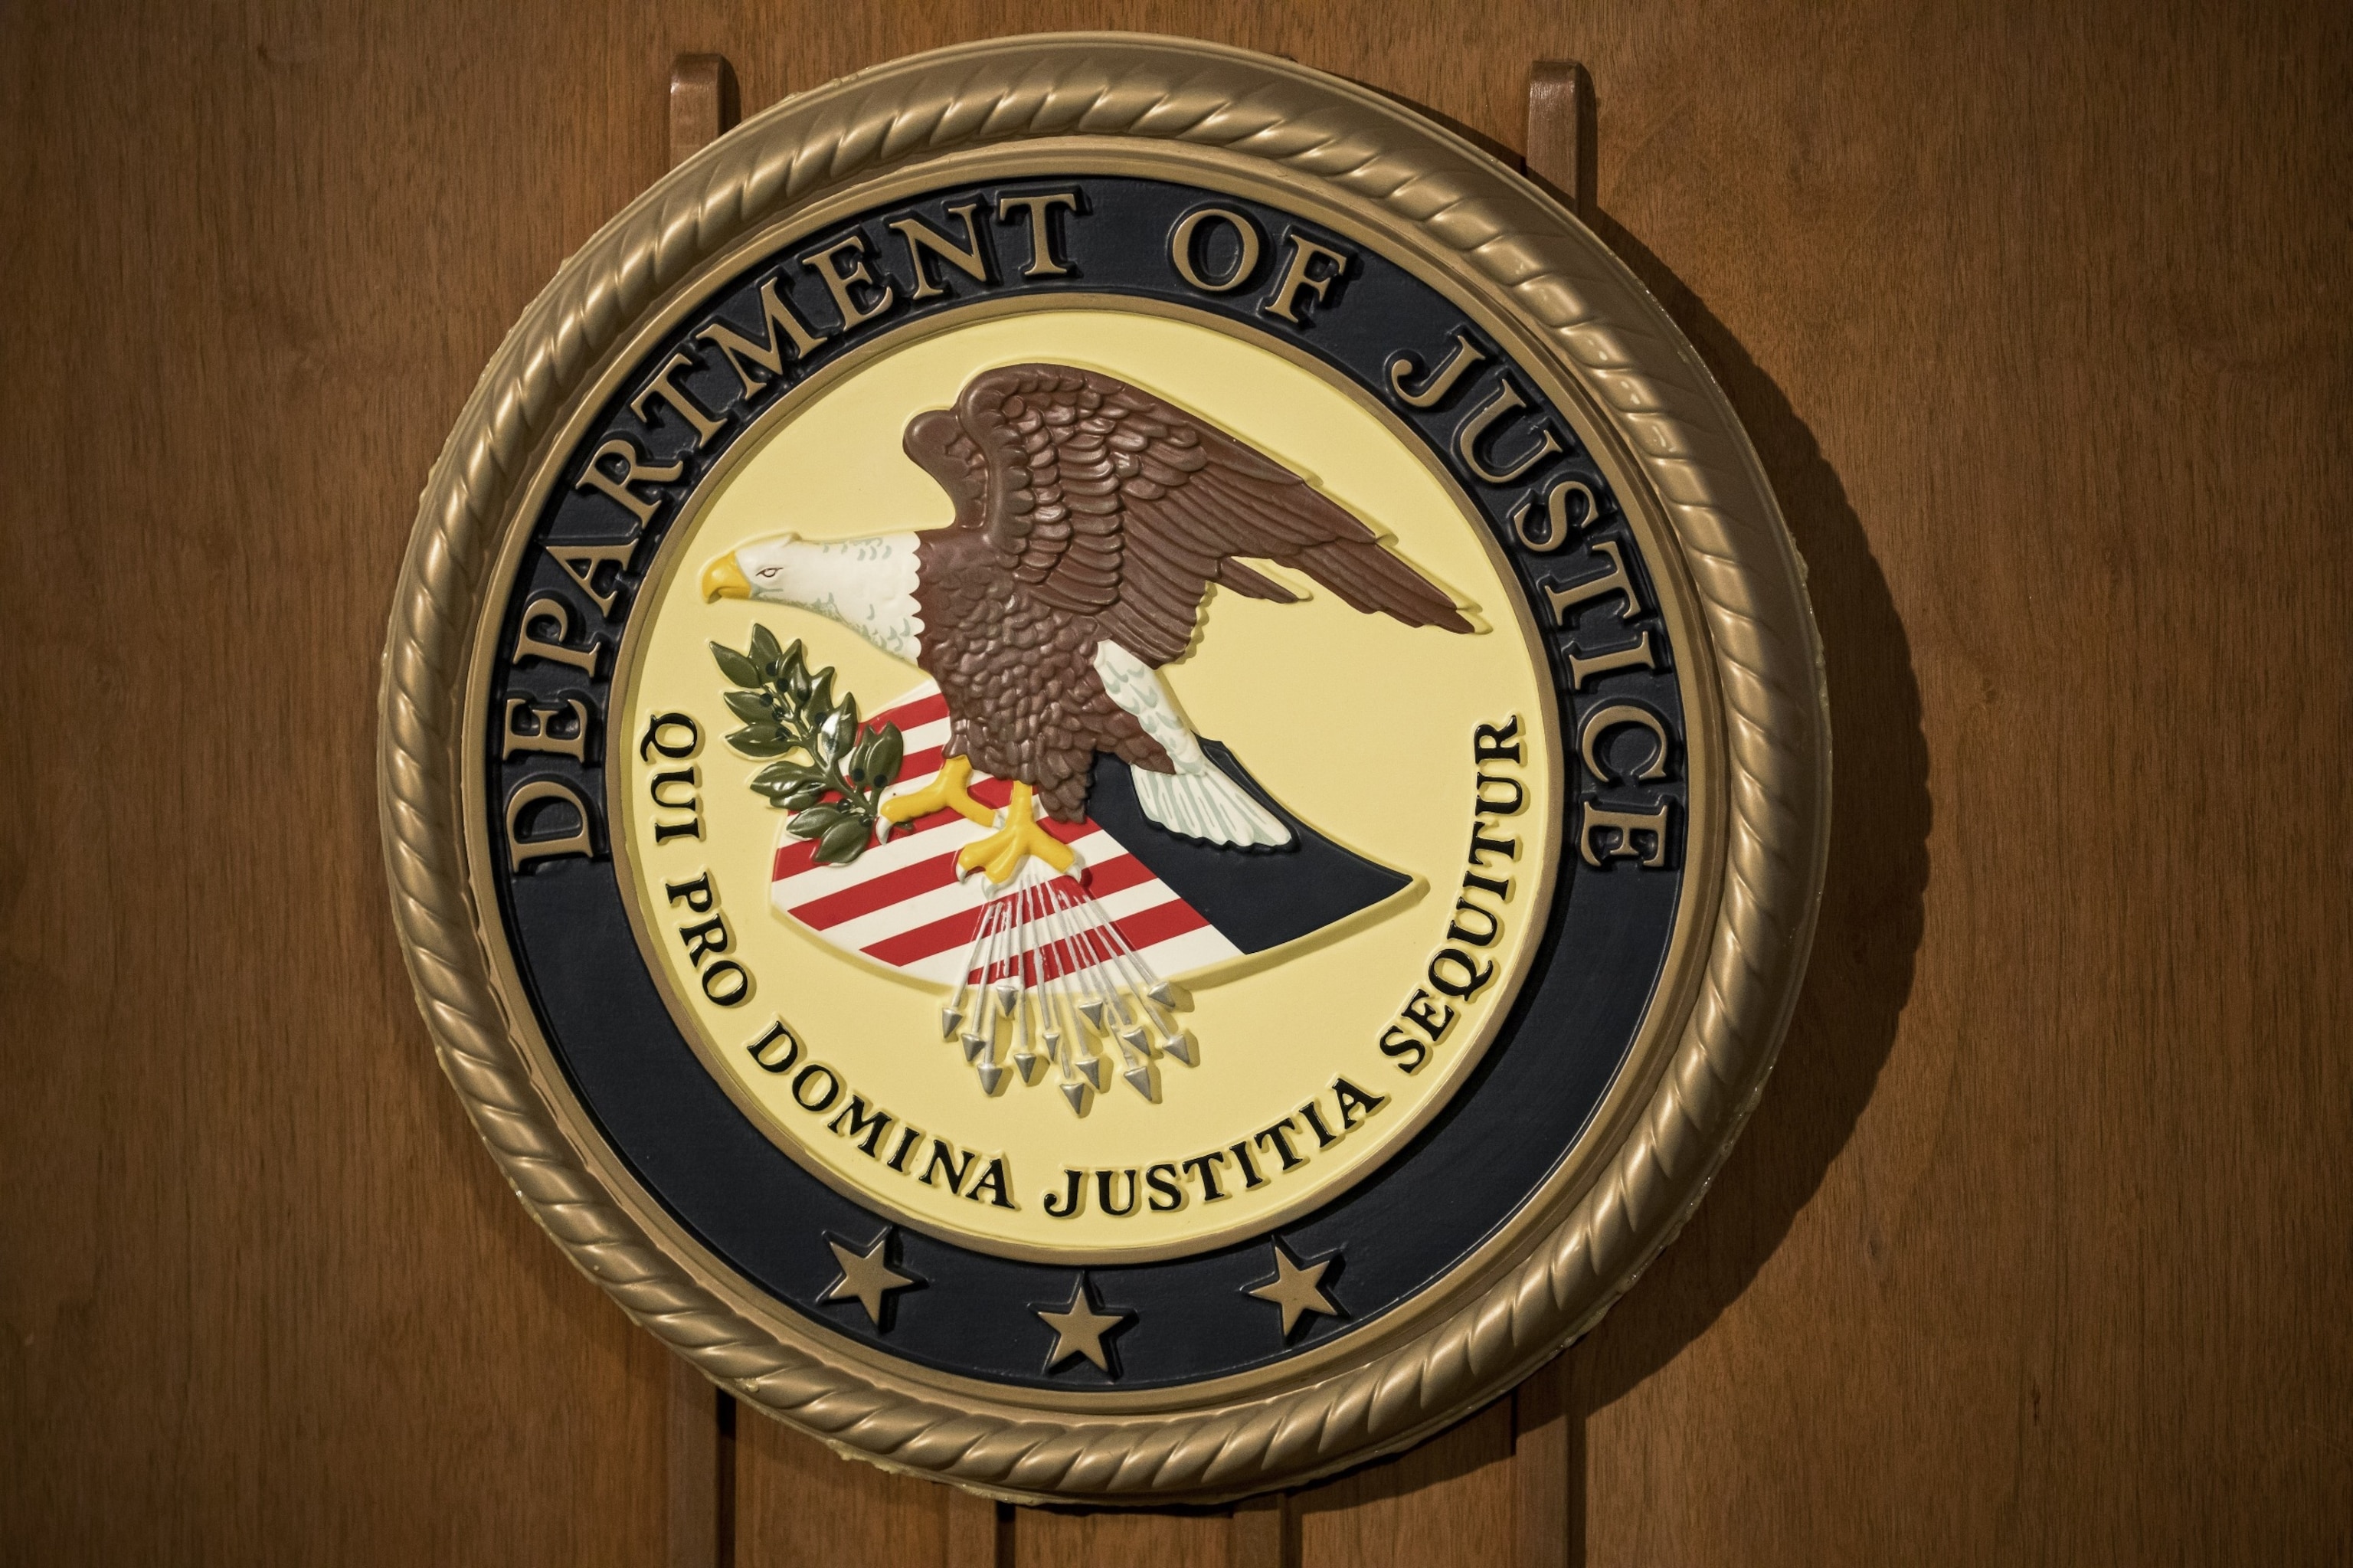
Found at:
(1625, 354)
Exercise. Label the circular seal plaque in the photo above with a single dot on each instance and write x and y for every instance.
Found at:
(1103, 768)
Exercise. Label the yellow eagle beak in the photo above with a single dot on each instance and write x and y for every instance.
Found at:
(723, 578)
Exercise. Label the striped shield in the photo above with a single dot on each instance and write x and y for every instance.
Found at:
(900, 903)
(1066, 969)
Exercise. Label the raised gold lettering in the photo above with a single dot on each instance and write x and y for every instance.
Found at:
(1465, 355)
(1298, 278)
(538, 791)
(741, 352)
(634, 470)
(1601, 721)
(1506, 401)
(1043, 263)
(1626, 824)
(529, 644)
(839, 281)
(1557, 519)
(542, 735)
(665, 386)
(1567, 598)
(921, 237)
(1636, 655)
(581, 562)
(1182, 249)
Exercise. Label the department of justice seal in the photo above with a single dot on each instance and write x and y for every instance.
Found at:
(1103, 768)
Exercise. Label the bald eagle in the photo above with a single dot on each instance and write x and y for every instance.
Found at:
(1091, 520)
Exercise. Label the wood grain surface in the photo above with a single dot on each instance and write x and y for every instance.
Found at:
(2040, 1247)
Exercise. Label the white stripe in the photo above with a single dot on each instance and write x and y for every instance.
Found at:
(902, 851)
(1194, 949)
(923, 736)
(1120, 905)
(1188, 950)
(863, 931)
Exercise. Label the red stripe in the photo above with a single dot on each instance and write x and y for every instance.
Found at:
(1141, 929)
(914, 947)
(1144, 928)
(1116, 875)
(797, 855)
(1149, 928)
(878, 891)
(948, 932)
(907, 715)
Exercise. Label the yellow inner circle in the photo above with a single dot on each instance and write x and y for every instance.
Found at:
(1362, 728)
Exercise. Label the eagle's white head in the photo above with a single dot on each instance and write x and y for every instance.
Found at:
(867, 584)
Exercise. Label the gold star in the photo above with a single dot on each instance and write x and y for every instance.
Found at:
(866, 1276)
(1298, 1292)
(1079, 1328)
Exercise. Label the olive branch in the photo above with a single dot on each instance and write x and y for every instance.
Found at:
(835, 794)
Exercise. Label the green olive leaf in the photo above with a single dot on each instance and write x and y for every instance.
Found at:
(889, 750)
(750, 706)
(735, 666)
(760, 740)
(816, 819)
(835, 734)
(765, 654)
(842, 842)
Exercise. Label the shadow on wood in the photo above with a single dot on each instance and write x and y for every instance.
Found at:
(1861, 971)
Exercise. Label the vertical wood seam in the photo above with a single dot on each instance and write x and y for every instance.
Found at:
(1548, 1421)
(696, 1462)
(699, 1456)
(1262, 1532)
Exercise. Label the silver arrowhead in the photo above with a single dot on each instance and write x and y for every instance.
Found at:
(1025, 1063)
(1091, 1010)
(1053, 1039)
(1094, 1068)
(1009, 992)
(1138, 1039)
(1180, 1045)
(949, 1018)
(1158, 991)
(1077, 1094)
(991, 1074)
(973, 1045)
(1139, 1078)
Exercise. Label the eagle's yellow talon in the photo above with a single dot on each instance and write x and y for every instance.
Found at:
(999, 855)
(946, 790)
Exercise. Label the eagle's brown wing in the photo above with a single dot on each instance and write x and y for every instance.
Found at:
(1113, 503)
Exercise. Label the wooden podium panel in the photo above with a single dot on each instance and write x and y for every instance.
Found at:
(2042, 324)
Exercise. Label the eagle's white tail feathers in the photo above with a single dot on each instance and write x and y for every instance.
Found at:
(1197, 800)
(1206, 805)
